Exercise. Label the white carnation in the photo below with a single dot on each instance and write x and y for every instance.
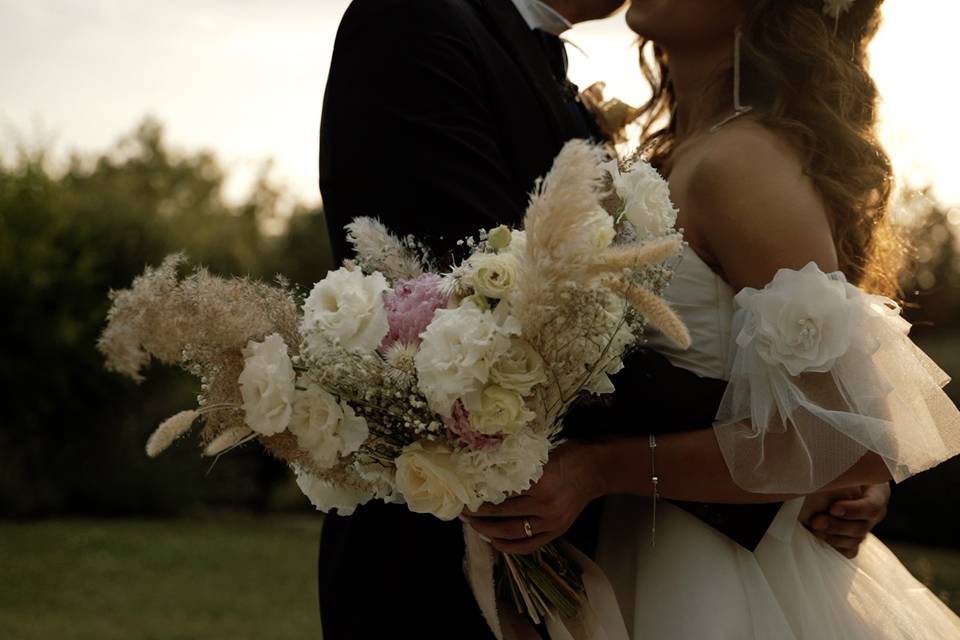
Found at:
(324, 428)
(646, 199)
(345, 307)
(383, 479)
(326, 496)
(511, 468)
(267, 385)
(458, 348)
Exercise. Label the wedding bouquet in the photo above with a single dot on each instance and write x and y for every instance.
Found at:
(392, 381)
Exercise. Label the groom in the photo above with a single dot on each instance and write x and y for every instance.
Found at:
(438, 117)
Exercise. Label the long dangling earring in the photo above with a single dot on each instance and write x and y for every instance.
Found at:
(738, 108)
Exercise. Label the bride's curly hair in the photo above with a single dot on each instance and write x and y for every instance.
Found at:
(806, 75)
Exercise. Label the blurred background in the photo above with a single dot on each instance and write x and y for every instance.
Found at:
(129, 130)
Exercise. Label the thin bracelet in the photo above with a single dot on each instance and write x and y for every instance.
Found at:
(655, 480)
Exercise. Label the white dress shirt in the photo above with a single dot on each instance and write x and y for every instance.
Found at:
(540, 16)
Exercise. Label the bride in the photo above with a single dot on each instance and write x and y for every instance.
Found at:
(771, 153)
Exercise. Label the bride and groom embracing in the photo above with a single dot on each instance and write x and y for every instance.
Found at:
(772, 462)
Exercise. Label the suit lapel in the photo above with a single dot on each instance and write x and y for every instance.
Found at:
(515, 36)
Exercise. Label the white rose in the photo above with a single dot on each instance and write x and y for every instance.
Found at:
(511, 468)
(497, 410)
(521, 368)
(492, 275)
(646, 199)
(457, 350)
(427, 477)
(267, 385)
(801, 320)
(346, 307)
(325, 428)
(499, 238)
(326, 496)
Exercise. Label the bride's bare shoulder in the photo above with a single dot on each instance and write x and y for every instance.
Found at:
(747, 188)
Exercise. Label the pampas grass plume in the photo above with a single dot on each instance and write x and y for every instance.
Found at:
(632, 256)
(657, 312)
(169, 430)
(379, 250)
(227, 440)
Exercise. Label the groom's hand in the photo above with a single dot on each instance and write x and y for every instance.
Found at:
(844, 519)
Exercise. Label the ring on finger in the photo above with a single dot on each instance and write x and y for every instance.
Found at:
(527, 528)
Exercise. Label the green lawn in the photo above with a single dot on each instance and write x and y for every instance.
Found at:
(939, 569)
(231, 578)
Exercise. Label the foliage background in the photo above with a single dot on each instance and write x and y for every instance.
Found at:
(71, 439)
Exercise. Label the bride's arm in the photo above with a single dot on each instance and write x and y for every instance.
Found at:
(690, 466)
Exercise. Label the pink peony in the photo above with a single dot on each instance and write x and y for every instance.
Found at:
(462, 433)
(410, 307)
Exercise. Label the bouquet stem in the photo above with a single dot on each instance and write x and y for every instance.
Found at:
(544, 583)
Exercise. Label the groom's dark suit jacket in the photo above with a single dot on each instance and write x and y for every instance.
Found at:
(438, 117)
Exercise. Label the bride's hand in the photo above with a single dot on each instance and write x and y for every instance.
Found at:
(570, 481)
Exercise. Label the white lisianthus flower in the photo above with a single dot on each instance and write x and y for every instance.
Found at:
(457, 350)
(325, 428)
(326, 496)
(346, 307)
(499, 238)
(646, 198)
(521, 368)
(267, 385)
(492, 275)
(429, 480)
(801, 320)
(497, 410)
(511, 468)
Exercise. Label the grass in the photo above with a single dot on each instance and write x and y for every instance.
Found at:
(233, 578)
(939, 569)
(236, 578)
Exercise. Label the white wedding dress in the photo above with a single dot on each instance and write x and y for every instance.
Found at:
(697, 584)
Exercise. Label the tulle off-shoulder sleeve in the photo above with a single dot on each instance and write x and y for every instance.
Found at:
(822, 374)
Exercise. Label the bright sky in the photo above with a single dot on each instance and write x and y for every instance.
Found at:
(245, 78)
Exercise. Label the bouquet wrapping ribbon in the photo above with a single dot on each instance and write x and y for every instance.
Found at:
(600, 619)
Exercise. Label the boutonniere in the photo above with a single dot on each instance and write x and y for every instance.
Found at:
(612, 115)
